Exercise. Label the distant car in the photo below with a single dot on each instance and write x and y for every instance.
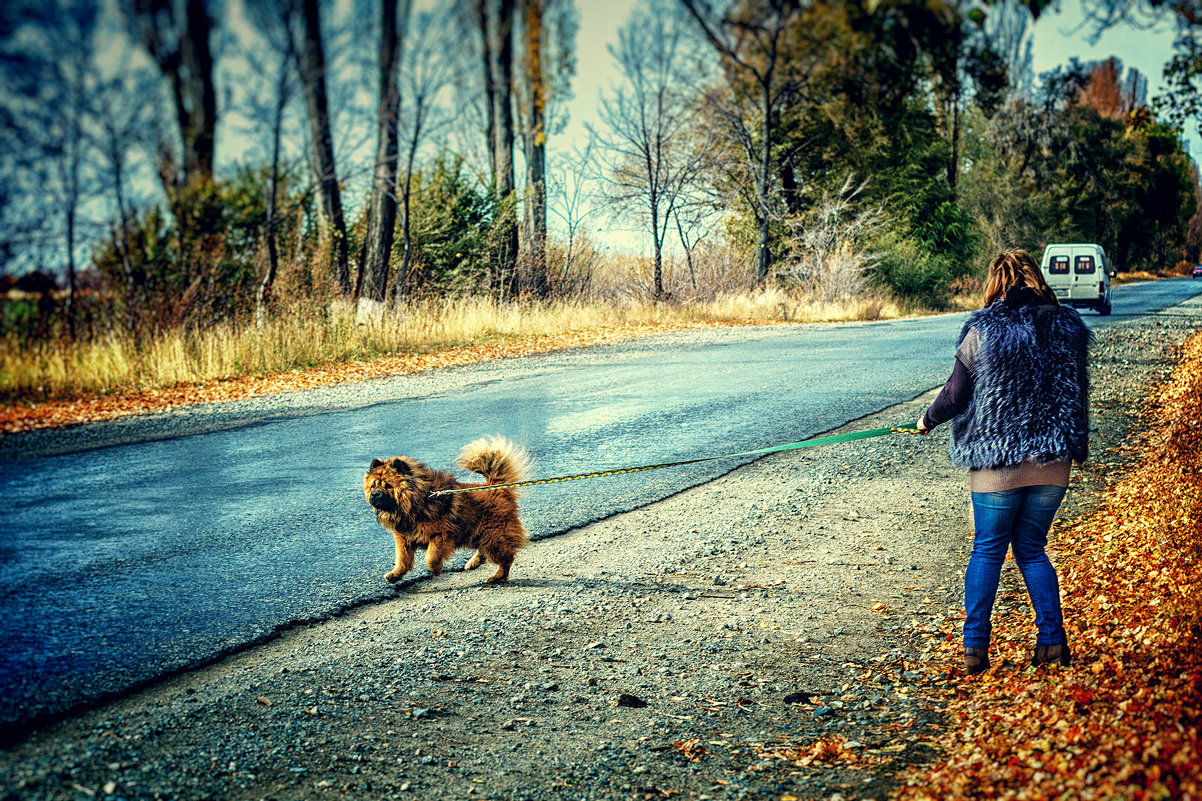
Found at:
(1079, 274)
(1198, 271)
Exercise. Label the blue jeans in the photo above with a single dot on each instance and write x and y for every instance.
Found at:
(1018, 519)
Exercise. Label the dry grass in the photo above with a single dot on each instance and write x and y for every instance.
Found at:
(1181, 268)
(310, 337)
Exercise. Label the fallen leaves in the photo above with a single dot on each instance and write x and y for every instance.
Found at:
(830, 750)
(692, 750)
(1123, 722)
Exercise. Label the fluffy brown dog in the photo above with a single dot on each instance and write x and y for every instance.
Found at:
(399, 490)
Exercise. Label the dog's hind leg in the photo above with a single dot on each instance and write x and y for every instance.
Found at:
(437, 552)
(504, 560)
(475, 561)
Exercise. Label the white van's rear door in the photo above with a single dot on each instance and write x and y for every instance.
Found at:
(1059, 274)
(1085, 274)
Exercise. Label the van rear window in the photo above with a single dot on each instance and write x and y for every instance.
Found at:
(1058, 265)
(1084, 264)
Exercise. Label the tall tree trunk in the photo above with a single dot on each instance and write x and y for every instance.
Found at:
(947, 107)
(789, 189)
(381, 222)
(657, 262)
(763, 251)
(200, 95)
(402, 278)
(114, 144)
(490, 85)
(71, 280)
(330, 220)
(72, 156)
(653, 167)
(505, 258)
(536, 151)
(688, 249)
(182, 52)
(263, 300)
(953, 162)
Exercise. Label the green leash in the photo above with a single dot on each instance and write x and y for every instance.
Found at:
(805, 443)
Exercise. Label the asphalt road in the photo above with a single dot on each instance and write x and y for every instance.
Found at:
(122, 564)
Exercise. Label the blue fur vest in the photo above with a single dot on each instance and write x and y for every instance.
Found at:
(1030, 396)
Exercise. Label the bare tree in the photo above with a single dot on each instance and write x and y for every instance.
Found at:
(72, 75)
(829, 259)
(176, 34)
(536, 147)
(121, 127)
(276, 22)
(694, 217)
(500, 51)
(381, 222)
(46, 59)
(548, 34)
(759, 45)
(650, 122)
(571, 202)
(311, 65)
(480, 9)
(426, 73)
(266, 283)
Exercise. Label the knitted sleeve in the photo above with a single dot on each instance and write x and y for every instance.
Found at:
(953, 398)
(957, 392)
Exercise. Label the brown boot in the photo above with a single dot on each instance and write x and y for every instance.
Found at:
(1051, 653)
(976, 660)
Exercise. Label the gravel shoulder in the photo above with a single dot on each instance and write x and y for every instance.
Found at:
(658, 653)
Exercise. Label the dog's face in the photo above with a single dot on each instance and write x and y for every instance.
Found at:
(396, 485)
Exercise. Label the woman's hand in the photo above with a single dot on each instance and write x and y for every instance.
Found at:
(921, 427)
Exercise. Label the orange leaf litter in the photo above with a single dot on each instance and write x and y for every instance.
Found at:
(91, 408)
(1123, 721)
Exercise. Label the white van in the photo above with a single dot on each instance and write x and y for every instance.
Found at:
(1079, 275)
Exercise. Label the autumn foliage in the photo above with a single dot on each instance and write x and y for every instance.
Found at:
(1123, 721)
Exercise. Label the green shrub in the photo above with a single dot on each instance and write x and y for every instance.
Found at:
(911, 272)
(451, 226)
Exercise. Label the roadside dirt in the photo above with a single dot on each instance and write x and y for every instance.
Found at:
(679, 650)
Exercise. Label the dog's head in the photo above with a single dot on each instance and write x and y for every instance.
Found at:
(400, 487)
(395, 485)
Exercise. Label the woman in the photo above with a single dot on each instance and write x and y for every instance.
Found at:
(1018, 399)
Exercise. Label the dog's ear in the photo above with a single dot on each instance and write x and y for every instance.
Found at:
(374, 464)
(399, 466)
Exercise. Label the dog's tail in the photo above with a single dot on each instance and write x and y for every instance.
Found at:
(497, 459)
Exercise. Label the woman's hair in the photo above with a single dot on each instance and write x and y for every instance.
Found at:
(1015, 268)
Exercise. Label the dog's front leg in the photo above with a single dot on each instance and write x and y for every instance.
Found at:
(476, 561)
(404, 558)
(438, 551)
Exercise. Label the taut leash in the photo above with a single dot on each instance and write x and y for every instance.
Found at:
(805, 443)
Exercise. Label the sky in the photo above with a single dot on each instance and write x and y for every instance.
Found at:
(1062, 35)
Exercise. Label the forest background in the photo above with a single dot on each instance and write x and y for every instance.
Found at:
(193, 189)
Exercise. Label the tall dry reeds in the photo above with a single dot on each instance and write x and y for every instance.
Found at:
(312, 336)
